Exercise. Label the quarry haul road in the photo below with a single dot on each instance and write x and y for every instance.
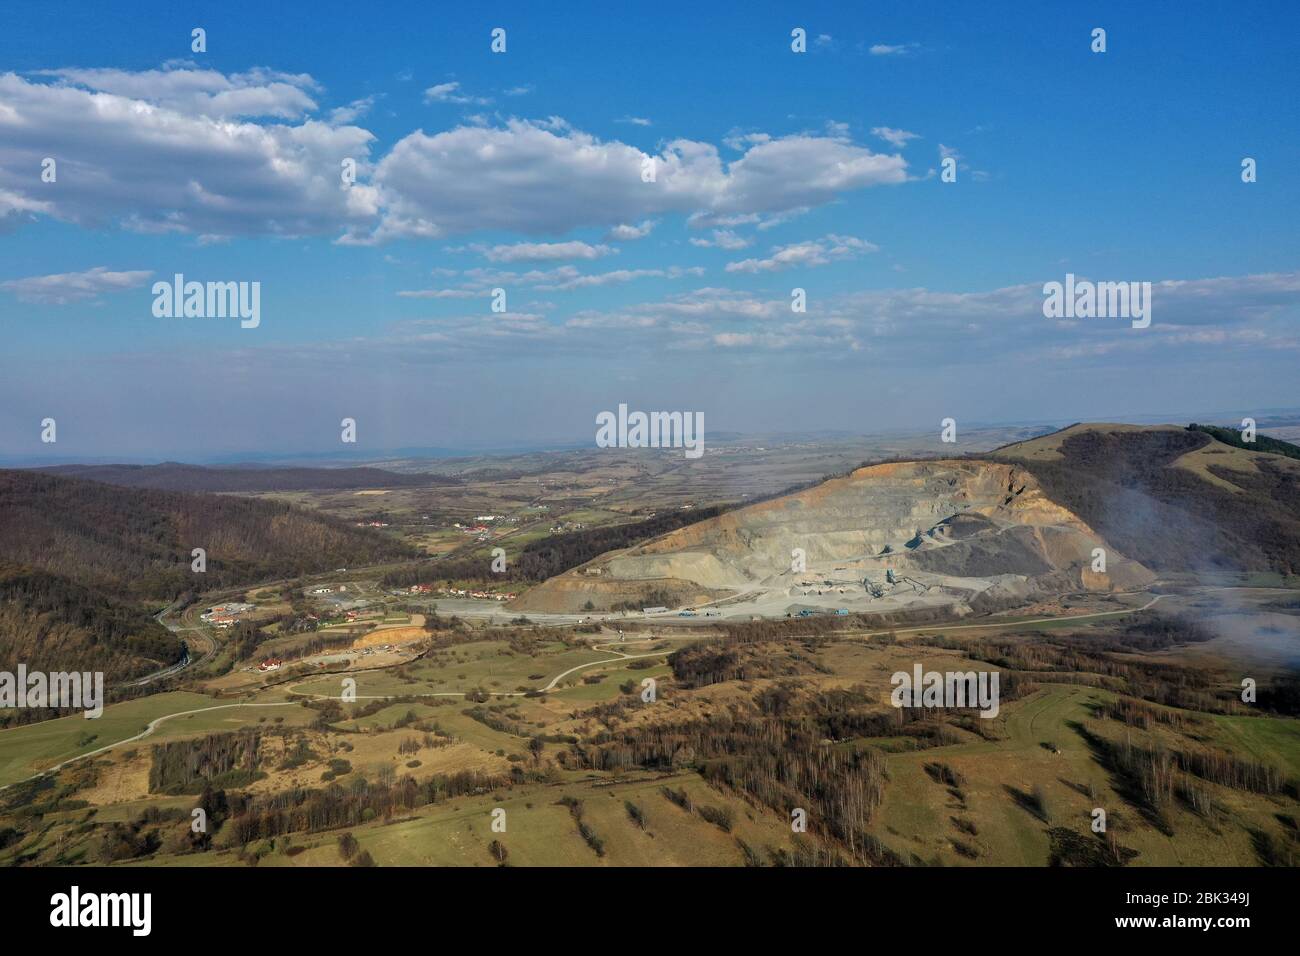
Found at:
(153, 724)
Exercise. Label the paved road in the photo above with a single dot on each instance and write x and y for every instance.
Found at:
(186, 661)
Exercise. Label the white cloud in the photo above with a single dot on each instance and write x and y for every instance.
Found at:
(897, 138)
(559, 279)
(451, 93)
(723, 239)
(626, 233)
(14, 208)
(182, 150)
(888, 49)
(899, 326)
(68, 287)
(544, 251)
(621, 275)
(819, 252)
(439, 293)
(742, 141)
(185, 88)
(155, 165)
(532, 179)
(733, 339)
(342, 115)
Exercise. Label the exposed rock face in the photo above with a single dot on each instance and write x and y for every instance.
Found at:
(949, 530)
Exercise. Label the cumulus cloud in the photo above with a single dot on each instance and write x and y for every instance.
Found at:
(68, 287)
(820, 252)
(193, 151)
(525, 177)
(186, 88)
(160, 164)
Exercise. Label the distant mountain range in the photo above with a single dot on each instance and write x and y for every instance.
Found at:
(244, 479)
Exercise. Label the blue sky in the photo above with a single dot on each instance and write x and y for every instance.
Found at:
(775, 170)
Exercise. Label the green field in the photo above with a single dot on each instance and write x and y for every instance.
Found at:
(917, 814)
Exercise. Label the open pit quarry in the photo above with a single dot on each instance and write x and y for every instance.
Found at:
(963, 536)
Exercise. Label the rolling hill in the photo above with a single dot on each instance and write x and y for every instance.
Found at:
(137, 543)
(1174, 499)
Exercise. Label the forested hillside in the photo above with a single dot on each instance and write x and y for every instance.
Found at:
(137, 543)
(52, 624)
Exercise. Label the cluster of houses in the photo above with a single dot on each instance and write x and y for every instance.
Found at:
(270, 664)
(225, 615)
(372, 524)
